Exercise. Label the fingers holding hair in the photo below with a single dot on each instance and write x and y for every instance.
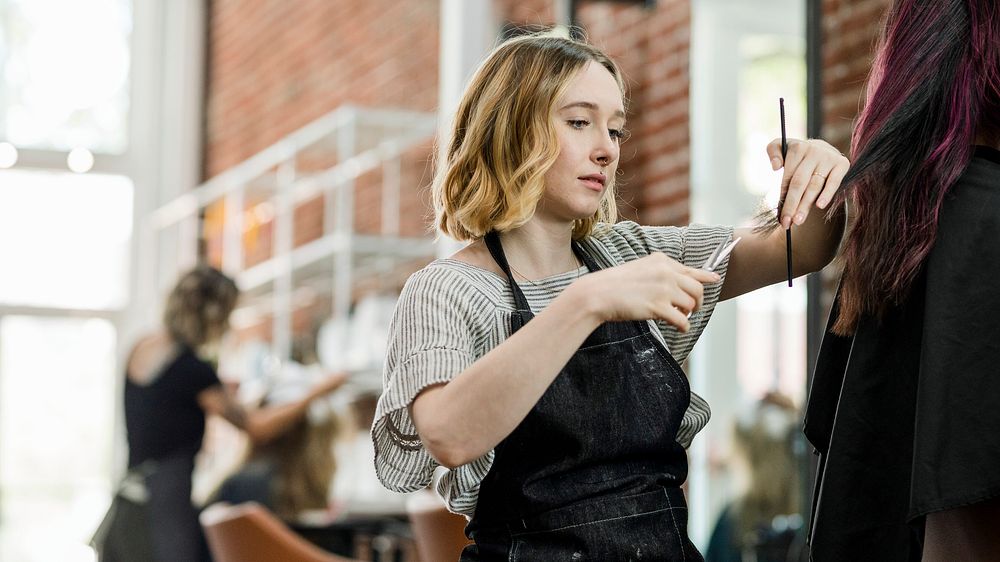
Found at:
(799, 169)
(833, 182)
(813, 170)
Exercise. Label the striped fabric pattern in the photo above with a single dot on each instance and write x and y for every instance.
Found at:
(450, 313)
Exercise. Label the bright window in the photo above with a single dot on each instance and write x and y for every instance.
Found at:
(64, 239)
(65, 70)
(771, 321)
(57, 403)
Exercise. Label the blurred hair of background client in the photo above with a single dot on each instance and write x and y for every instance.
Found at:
(170, 388)
(539, 365)
(903, 407)
(292, 473)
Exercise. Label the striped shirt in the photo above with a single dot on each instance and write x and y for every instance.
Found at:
(451, 313)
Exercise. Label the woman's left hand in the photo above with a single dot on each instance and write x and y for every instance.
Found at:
(813, 172)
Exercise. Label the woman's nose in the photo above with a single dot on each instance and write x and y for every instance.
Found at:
(606, 154)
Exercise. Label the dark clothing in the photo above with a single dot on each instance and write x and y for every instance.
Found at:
(252, 483)
(175, 531)
(123, 535)
(165, 426)
(903, 414)
(594, 471)
(163, 418)
(724, 545)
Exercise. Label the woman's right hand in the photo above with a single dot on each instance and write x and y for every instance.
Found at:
(653, 287)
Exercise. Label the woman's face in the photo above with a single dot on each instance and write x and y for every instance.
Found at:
(588, 119)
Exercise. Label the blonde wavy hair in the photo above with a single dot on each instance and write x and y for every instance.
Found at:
(503, 140)
(198, 308)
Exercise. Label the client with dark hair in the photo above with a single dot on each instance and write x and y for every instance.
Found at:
(903, 404)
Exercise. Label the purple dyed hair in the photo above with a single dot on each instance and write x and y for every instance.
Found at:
(934, 88)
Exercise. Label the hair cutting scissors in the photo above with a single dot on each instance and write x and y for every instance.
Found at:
(718, 255)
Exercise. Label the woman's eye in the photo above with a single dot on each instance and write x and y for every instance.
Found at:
(578, 123)
(618, 134)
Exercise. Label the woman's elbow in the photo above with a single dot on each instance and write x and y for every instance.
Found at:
(444, 436)
(820, 260)
(448, 459)
(814, 257)
(257, 432)
(255, 435)
(446, 449)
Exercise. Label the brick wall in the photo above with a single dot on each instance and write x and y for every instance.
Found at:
(276, 65)
(652, 46)
(850, 31)
(525, 12)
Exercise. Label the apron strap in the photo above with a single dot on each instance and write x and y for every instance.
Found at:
(522, 311)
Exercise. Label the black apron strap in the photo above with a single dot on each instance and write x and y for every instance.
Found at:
(522, 312)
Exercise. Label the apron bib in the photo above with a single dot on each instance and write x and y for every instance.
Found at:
(593, 471)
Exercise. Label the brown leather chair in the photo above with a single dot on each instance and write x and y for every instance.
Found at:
(248, 532)
(438, 533)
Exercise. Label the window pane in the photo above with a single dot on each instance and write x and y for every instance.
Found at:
(64, 239)
(772, 320)
(65, 67)
(56, 433)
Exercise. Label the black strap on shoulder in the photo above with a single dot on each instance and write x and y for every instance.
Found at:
(522, 312)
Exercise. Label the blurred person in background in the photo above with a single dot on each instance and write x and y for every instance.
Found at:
(540, 363)
(762, 524)
(903, 405)
(293, 473)
(170, 388)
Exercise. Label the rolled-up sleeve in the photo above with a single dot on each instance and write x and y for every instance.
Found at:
(431, 340)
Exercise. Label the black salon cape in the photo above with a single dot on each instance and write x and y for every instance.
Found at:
(906, 415)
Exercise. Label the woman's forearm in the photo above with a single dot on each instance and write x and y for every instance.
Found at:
(761, 258)
(264, 424)
(462, 420)
(261, 425)
(815, 242)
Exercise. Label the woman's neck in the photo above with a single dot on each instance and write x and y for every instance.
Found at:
(538, 250)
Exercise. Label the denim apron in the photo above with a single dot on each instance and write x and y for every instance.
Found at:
(593, 471)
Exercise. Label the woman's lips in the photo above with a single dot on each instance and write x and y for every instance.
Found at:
(593, 181)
